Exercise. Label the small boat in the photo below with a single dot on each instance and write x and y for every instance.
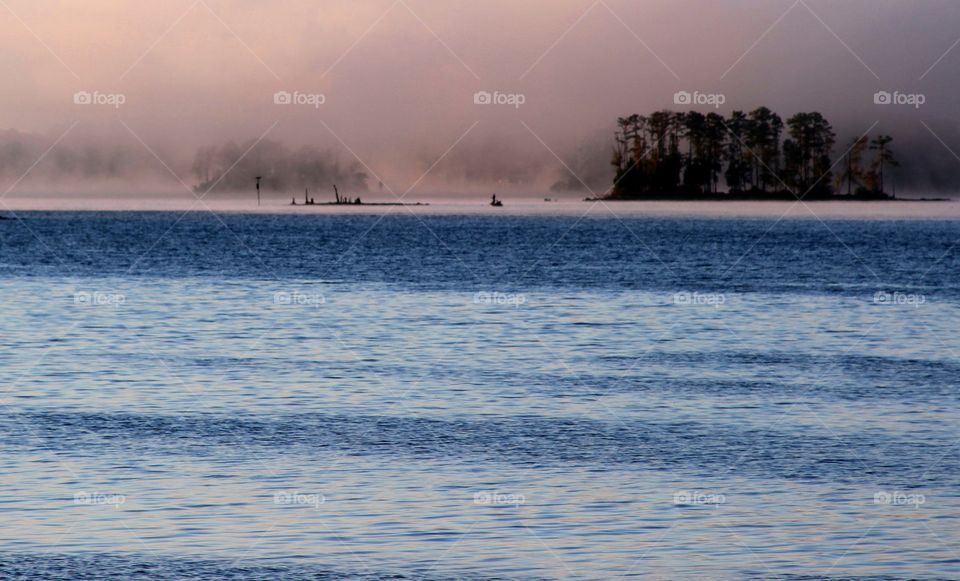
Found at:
(495, 202)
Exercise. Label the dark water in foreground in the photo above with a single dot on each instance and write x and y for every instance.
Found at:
(435, 397)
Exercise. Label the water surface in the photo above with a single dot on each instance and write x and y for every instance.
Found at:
(464, 396)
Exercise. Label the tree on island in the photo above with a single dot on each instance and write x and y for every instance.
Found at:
(853, 171)
(739, 169)
(807, 155)
(763, 142)
(862, 182)
(759, 156)
(884, 156)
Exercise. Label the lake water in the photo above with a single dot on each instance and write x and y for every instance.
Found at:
(399, 395)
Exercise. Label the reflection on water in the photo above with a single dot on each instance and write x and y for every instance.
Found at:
(655, 399)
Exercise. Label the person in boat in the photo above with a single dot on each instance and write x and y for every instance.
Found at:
(495, 201)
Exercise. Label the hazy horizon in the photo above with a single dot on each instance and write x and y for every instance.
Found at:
(398, 79)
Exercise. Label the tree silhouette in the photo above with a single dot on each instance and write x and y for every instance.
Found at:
(696, 173)
(853, 169)
(738, 173)
(763, 140)
(884, 157)
(715, 138)
(682, 155)
(807, 153)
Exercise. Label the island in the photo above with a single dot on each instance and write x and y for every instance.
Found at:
(344, 200)
(684, 156)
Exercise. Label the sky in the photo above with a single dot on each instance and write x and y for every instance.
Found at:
(389, 87)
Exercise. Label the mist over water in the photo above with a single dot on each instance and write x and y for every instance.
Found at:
(566, 204)
(394, 85)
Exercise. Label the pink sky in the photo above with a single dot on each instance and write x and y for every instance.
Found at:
(398, 77)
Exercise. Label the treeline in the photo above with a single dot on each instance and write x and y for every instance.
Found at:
(28, 155)
(755, 155)
(231, 167)
(89, 162)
